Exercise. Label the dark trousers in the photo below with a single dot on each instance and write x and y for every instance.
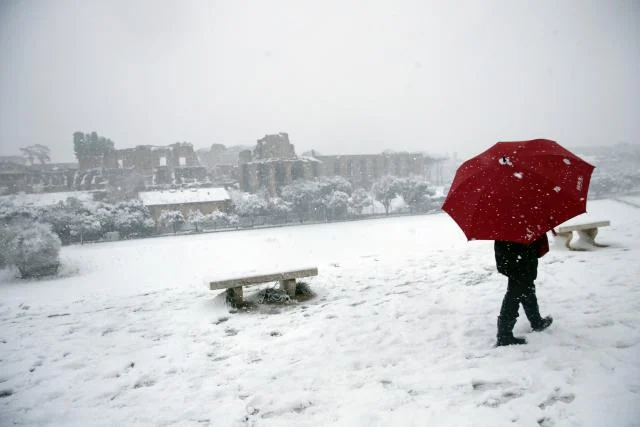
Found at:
(520, 291)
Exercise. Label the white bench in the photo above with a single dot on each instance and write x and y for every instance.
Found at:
(586, 234)
(287, 281)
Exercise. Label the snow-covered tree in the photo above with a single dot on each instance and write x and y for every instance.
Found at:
(61, 220)
(216, 219)
(85, 225)
(301, 195)
(415, 192)
(249, 205)
(328, 185)
(338, 204)
(385, 190)
(10, 211)
(219, 219)
(173, 218)
(233, 220)
(37, 151)
(74, 204)
(196, 218)
(359, 200)
(278, 207)
(105, 215)
(323, 195)
(132, 218)
(321, 198)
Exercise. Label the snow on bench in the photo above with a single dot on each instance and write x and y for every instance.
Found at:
(287, 281)
(587, 232)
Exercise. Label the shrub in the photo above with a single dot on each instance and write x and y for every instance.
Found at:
(35, 250)
(7, 239)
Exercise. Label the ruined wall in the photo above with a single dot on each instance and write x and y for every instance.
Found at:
(364, 169)
(272, 175)
(274, 147)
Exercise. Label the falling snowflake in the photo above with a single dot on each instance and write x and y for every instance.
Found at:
(505, 161)
(518, 175)
(566, 161)
(556, 189)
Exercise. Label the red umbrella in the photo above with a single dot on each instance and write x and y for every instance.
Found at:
(517, 191)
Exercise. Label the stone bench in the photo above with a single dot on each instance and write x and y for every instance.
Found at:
(586, 234)
(287, 281)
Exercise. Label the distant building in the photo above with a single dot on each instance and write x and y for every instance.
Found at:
(13, 177)
(156, 166)
(273, 174)
(205, 200)
(274, 164)
(221, 162)
(274, 147)
(18, 160)
(146, 158)
(50, 177)
(362, 170)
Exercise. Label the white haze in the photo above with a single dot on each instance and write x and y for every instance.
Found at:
(338, 76)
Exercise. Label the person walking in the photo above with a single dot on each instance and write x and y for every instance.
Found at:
(519, 262)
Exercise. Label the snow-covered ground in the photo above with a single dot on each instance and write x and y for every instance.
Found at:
(400, 333)
(632, 200)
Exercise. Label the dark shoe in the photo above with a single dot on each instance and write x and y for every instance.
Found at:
(544, 324)
(505, 332)
(510, 340)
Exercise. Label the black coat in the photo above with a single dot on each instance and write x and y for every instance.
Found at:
(517, 260)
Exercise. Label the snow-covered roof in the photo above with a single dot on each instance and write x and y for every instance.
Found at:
(182, 196)
(47, 199)
(305, 159)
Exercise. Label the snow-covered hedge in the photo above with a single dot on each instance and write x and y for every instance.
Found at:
(76, 222)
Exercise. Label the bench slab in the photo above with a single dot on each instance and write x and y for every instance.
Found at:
(585, 226)
(587, 233)
(262, 278)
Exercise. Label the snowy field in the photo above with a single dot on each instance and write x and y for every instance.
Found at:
(400, 333)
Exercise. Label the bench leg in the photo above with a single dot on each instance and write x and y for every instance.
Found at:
(566, 237)
(588, 236)
(235, 296)
(289, 286)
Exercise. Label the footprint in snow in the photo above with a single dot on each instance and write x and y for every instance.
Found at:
(557, 397)
(220, 320)
(144, 381)
(37, 364)
(481, 385)
(494, 402)
(231, 332)
(546, 422)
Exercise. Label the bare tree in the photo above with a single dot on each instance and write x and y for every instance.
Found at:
(37, 151)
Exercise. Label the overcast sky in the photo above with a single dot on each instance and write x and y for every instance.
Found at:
(341, 77)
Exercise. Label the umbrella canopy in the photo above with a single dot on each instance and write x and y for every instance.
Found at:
(517, 191)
